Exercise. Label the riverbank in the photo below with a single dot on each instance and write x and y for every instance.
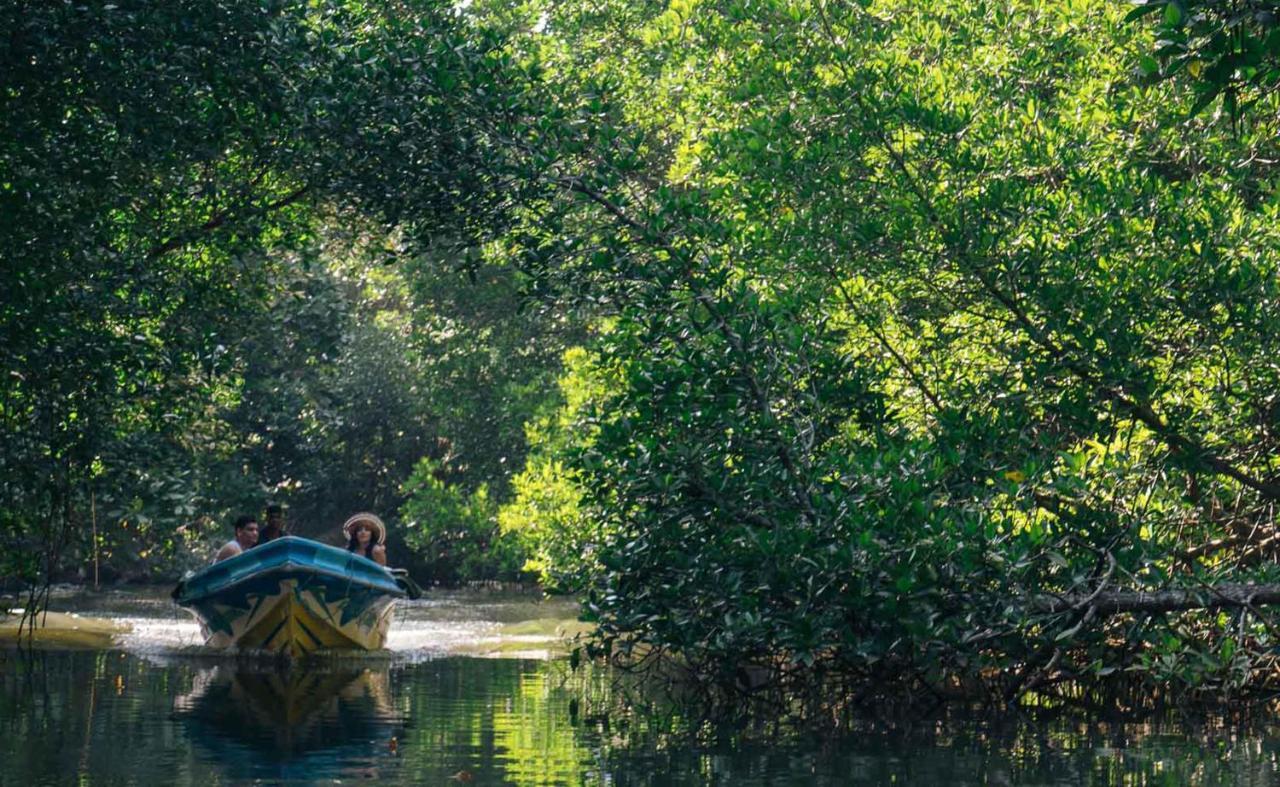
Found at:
(60, 630)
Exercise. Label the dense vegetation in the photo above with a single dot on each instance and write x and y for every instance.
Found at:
(881, 343)
(199, 200)
(931, 325)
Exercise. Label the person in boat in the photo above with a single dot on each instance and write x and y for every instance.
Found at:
(246, 536)
(366, 535)
(275, 525)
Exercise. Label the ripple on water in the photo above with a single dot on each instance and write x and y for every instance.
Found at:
(160, 635)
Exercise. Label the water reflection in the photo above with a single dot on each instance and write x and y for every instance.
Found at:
(451, 720)
(115, 718)
(291, 722)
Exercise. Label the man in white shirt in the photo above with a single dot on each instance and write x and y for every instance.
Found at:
(246, 536)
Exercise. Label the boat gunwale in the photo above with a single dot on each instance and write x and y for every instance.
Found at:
(184, 600)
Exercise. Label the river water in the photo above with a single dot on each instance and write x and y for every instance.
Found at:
(474, 691)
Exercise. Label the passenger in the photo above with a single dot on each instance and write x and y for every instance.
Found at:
(275, 525)
(366, 535)
(246, 536)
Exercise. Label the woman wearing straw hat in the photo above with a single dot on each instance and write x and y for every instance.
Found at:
(366, 535)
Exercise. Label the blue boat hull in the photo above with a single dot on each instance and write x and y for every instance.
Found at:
(292, 596)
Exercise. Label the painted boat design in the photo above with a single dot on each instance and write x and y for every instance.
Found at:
(293, 596)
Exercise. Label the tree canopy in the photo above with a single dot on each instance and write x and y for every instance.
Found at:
(160, 168)
(880, 343)
(919, 315)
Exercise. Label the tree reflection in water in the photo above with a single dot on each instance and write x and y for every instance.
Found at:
(449, 720)
(113, 718)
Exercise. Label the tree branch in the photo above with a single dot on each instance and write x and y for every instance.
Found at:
(220, 219)
(1116, 601)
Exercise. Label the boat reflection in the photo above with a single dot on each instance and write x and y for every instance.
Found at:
(339, 718)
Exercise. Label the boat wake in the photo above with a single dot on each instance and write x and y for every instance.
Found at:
(444, 623)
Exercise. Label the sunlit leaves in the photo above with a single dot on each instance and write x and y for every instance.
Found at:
(1226, 51)
(886, 278)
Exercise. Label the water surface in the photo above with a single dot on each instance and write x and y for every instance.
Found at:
(157, 709)
(471, 622)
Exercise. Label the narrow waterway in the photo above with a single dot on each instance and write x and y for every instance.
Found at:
(475, 691)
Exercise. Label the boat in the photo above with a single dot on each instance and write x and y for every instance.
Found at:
(294, 596)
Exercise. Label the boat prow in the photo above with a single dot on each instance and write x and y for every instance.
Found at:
(292, 596)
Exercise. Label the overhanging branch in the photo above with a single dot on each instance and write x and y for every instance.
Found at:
(220, 219)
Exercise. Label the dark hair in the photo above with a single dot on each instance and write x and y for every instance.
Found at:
(354, 546)
(274, 508)
(244, 521)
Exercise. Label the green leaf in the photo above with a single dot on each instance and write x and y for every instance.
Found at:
(1142, 8)
(1204, 100)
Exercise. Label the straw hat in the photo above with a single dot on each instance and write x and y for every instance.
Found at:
(364, 517)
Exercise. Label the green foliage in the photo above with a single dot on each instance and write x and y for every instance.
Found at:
(921, 312)
(1228, 50)
(455, 534)
(885, 322)
(157, 165)
(491, 354)
(546, 511)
